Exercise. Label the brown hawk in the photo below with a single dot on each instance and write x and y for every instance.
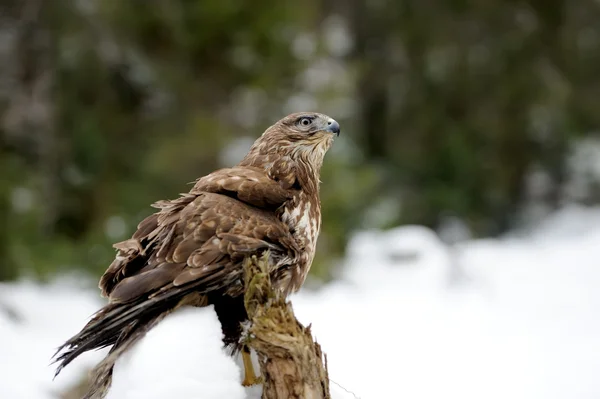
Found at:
(191, 251)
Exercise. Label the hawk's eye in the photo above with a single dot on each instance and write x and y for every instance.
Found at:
(304, 122)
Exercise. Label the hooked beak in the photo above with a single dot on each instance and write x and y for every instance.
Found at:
(333, 127)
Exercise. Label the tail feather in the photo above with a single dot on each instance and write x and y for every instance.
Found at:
(121, 325)
(102, 373)
(89, 338)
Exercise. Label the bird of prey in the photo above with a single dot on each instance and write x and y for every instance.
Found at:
(191, 251)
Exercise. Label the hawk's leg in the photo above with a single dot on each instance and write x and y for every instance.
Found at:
(249, 377)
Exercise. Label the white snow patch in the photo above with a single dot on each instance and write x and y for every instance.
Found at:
(34, 321)
(185, 345)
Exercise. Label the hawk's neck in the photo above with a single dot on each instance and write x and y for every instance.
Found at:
(290, 173)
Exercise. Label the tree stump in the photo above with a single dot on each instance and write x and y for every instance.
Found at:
(291, 362)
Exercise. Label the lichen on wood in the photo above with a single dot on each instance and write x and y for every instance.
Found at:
(292, 363)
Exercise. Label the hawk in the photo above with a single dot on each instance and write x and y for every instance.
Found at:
(191, 251)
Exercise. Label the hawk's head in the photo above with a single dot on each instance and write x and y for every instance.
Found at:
(305, 128)
(301, 138)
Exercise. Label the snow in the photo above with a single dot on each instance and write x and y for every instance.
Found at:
(521, 321)
(34, 321)
(186, 346)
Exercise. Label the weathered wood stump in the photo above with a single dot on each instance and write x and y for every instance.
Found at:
(292, 363)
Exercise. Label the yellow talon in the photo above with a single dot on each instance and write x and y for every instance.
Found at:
(249, 377)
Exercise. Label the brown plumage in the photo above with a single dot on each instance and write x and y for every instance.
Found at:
(191, 251)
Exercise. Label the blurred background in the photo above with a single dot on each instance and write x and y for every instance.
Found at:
(460, 203)
(469, 117)
(481, 115)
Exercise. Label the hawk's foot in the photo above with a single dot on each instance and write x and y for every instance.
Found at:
(250, 377)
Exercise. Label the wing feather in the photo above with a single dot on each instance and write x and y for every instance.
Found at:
(198, 239)
(247, 184)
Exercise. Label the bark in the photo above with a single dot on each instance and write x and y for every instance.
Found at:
(292, 363)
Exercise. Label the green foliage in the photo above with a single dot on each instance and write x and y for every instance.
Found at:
(464, 99)
(445, 107)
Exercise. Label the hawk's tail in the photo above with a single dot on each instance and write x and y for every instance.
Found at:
(122, 326)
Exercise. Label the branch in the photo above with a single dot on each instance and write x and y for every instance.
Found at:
(291, 362)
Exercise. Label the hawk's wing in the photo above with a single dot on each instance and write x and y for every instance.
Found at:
(201, 237)
(248, 184)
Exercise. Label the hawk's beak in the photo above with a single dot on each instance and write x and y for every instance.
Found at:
(333, 127)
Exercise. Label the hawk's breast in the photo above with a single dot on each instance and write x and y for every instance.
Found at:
(303, 217)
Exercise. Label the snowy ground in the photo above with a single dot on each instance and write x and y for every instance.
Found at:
(410, 318)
